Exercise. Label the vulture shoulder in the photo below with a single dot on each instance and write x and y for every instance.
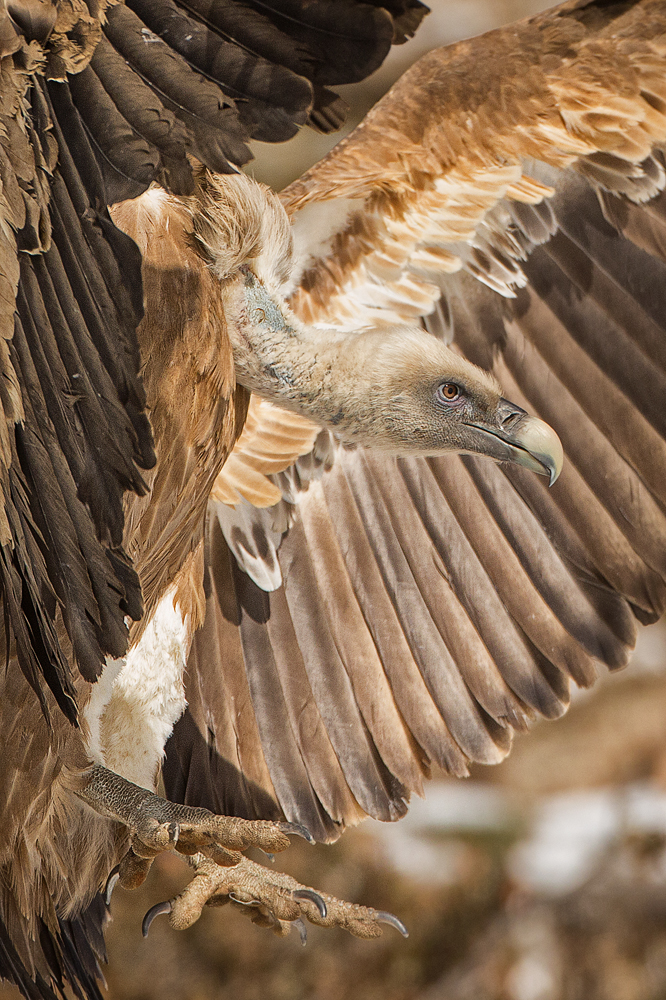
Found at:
(196, 410)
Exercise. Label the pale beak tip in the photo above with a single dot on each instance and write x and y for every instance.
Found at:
(542, 442)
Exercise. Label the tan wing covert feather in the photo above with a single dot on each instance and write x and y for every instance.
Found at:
(272, 439)
(451, 139)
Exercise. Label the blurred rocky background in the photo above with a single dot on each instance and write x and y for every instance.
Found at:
(541, 879)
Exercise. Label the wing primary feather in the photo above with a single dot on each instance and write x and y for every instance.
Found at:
(294, 790)
(644, 225)
(613, 558)
(81, 175)
(251, 31)
(307, 50)
(329, 111)
(103, 266)
(473, 582)
(580, 217)
(29, 606)
(127, 162)
(220, 705)
(334, 694)
(146, 115)
(82, 194)
(593, 288)
(436, 664)
(324, 769)
(117, 356)
(78, 567)
(411, 692)
(257, 36)
(612, 400)
(498, 597)
(350, 40)
(616, 486)
(116, 401)
(315, 539)
(98, 467)
(271, 100)
(552, 577)
(216, 135)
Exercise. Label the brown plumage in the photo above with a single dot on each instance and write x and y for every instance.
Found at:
(196, 408)
(362, 615)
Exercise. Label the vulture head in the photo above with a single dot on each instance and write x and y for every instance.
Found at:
(411, 394)
(399, 390)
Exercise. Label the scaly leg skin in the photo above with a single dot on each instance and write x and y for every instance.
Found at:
(222, 873)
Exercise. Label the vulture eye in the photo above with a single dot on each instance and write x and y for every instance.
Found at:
(448, 392)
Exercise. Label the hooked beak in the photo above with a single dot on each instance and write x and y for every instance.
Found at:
(524, 440)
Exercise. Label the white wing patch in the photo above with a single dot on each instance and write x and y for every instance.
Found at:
(251, 535)
(254, 535)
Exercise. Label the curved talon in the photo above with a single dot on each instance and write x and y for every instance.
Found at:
(383, 917)
(111, 883)
(174, 832)
(302, 930)
(315, 898)
(297, 830)
(271, 857)
(155, 911)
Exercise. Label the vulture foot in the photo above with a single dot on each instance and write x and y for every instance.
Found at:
(214, 845)
(167, 826)
(271, 899)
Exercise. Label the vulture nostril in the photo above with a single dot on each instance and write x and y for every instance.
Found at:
(510, 418)
(509, 414)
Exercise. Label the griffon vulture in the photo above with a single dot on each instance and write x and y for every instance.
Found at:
(293, 637)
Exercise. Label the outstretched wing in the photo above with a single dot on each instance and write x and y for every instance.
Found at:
(75, 432)
(427, 609)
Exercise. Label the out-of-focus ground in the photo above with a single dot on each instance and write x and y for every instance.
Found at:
(541, 879)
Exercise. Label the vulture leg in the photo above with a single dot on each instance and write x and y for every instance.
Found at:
(158, 825)
(222, 873)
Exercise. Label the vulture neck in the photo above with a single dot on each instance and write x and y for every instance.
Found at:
(322, 374)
